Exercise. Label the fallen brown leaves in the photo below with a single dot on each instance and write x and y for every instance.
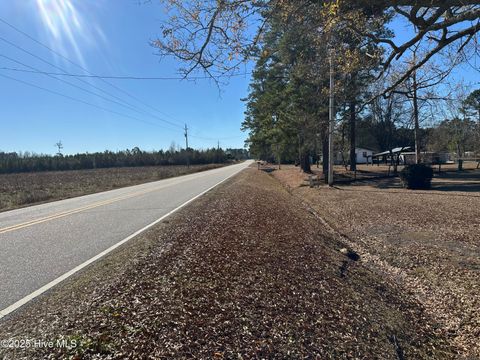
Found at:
(245, 272)
(426, 241)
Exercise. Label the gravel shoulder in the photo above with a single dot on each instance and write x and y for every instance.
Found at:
(246, 271)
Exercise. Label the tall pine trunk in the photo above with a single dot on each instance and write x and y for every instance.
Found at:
(353, 155)
(305, 162)
(303, 154)
(325, 157)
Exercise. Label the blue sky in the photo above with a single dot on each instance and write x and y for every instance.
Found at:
(108, 37)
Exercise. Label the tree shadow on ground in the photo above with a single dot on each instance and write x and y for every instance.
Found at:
(467, 180)
(456, 186)
(451, 181)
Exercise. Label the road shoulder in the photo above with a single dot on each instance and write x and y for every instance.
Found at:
(244, 270)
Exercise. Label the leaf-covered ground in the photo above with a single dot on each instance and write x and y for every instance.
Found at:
(428, 242)
(244, 272)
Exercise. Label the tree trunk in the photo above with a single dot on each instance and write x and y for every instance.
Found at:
(353, 155)
(299, 149)
(305, 162)
(325, 158)
(303, 155)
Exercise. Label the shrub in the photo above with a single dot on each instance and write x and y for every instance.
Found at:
(417, 176)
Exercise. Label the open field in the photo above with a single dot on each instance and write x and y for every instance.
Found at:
(17, 190)
(426, 241)
(223, 279)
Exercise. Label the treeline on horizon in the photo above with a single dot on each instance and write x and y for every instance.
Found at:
(13, 162)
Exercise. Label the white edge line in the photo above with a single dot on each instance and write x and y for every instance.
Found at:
(65, 276)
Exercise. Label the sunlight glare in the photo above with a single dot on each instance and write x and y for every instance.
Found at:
(66, 25)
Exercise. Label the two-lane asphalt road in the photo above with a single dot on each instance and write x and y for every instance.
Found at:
(44, 244)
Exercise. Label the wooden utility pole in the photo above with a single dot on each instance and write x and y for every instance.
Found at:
(416, 131)
(416, 119)
(186, 145)
(331, 119)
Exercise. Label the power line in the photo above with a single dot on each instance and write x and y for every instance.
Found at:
(83, 68)
(107, 76)
(216, 138)
(83, 101)
(81, 80)
(112, 76)
(53, 65)
(53, 75)
(103, 108)
(102, 78)
(71, 84)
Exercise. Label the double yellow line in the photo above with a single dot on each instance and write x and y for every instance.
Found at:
(74, 211)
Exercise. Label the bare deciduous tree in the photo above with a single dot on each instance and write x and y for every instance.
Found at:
(217, 36)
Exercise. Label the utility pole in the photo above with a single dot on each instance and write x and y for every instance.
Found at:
(331, 118)
(59, 145)
(416, 121)
(186, 145)
(218, 145)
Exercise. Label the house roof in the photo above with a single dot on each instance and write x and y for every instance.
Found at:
(396, 150)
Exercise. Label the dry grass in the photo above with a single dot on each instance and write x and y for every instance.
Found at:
(17, 190)
(225, 279)
(426, 241)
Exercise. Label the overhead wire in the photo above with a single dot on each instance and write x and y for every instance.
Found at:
(73, 85)
(80, 77)
(51, 64)
(84, 81)
(82, 101)
(112, 76)
(102, 108)
(83, 68)
(215, 139)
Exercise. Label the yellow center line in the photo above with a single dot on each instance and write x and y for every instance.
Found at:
(75, 211)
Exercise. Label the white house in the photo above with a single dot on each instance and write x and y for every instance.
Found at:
(363, 156)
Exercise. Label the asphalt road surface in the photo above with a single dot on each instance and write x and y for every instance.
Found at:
(40, 245)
